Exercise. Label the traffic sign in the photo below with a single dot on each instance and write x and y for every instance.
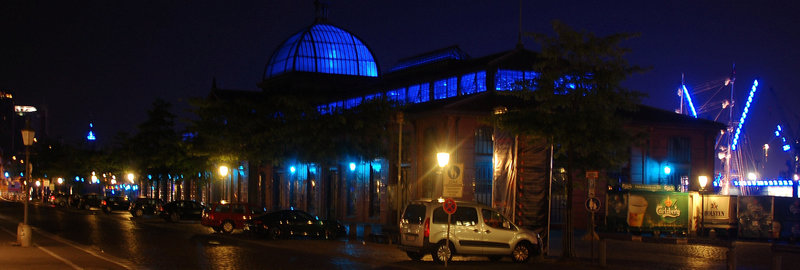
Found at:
(449, 206)
(592, 204)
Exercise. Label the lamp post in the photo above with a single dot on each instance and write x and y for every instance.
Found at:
(24, 231)
(703, 180)
(131, 177)
(223, 171)
(442, 158)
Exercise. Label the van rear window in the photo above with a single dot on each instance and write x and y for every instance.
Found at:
(415, 213)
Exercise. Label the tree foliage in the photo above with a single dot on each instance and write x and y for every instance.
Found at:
(577, 103)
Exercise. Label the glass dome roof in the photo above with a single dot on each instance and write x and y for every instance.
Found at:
(323, 48)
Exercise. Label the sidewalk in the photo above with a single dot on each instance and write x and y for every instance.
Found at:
(625, 251)
(49, 252)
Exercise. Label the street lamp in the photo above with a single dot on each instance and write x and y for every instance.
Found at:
(442, 158)
(223, 171)
(24, 231)
(703, 180)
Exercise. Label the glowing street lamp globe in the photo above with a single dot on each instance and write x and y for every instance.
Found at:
(443, 158)
(223, 170)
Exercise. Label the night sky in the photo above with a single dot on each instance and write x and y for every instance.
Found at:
(107, 61)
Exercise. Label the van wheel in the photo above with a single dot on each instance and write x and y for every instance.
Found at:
(521, 252)
(416, 256)
(442, 252)
(227, 227)
(138, 213)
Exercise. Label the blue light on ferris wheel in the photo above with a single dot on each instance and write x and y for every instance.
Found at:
(689, 99)
(786, 148)
(779, 128)
(744, 114)
(777, 133)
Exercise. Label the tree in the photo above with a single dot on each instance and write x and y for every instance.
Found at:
(157, 147)
(577, 103)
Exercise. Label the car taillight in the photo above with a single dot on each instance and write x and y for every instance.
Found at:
(104, 202)
(427, 227)
(161, 209)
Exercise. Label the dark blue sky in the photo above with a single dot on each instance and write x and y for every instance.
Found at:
(107, 61)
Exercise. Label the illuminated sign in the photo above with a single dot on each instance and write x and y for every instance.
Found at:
(24, 109)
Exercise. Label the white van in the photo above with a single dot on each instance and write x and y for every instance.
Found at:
(475, 229)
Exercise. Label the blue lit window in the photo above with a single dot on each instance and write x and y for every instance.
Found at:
(445, 88)
(326, 49)
(418, 93)
(373, 96)
(397, 95)
(481, 81)
(352, 103)
(323, 109)
(468, 85)
(507, 80)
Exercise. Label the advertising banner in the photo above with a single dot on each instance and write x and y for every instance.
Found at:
(717, 208)
(504, 177)
(617, 211)
(664, 211)
(787, 217)
(644, 211)
(755, 216)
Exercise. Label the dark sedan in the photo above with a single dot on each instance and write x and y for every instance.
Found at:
(90, 201)
(146, 206)
(294, 223)
(116, 203)
(182, 210)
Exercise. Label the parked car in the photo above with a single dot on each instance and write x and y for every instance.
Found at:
(90, 201)
(289, 223)
(115, 203)
(60, 199)
(475, 229)
(182, 210)
(146, 206)
(225, 217)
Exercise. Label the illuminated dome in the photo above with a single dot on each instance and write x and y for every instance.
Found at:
(323, 48)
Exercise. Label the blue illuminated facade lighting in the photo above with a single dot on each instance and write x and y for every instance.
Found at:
(744, 114)
(352, 166)
(764, 183)
(689, 100)
(323, 48)
(292, 169)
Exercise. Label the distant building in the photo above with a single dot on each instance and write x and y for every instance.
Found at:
(13, 119)
(446, 96)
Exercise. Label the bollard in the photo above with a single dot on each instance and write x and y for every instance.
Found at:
(25, 235)
(602, 251)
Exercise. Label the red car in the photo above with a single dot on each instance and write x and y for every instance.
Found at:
(225, 217)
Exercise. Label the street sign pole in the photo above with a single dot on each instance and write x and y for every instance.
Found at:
(447, 242)
(449, 206)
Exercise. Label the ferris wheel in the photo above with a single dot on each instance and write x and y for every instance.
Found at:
(735, 157)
